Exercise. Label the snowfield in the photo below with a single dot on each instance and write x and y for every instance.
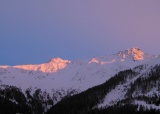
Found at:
(67, 76)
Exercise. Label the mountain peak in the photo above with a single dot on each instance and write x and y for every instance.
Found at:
(135, 52)
(57, 60)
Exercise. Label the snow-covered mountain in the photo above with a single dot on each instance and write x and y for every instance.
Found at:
(58, 73)
(59, 78)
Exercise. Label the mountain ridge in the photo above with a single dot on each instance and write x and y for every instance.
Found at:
(135, 53)
(75, 73)
(58, 78)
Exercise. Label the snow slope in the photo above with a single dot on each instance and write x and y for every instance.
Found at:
(58, 73)
(66, 75)
(119, 93)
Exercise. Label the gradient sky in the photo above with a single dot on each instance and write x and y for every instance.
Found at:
(34, 31)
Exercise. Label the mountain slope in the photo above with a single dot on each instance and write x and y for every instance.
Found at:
(137, 89)
(46, 84)
(75, 74)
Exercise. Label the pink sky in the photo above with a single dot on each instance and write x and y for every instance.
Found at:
(35, 31)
